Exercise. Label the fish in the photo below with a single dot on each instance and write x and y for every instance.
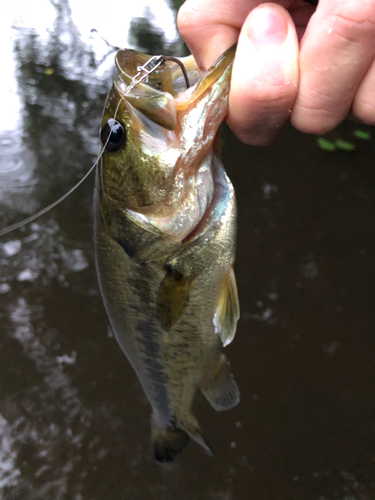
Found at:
(165, 231)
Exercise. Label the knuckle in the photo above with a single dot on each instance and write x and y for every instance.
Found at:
(319, 98)
(318, 112)
(353, 23)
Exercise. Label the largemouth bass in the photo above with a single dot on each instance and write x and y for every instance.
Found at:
(165, 227)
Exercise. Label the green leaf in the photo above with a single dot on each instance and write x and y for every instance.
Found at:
(362, 134)
(325, 144)
(345, 145)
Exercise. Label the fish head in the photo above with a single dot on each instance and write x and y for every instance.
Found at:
(154, 133)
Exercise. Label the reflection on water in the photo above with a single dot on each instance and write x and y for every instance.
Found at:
(74, 423)
(40, 254)
(47, 445)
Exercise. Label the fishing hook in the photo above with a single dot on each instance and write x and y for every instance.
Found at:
(177, 61)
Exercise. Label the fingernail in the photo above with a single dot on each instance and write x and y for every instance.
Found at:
(268, 27)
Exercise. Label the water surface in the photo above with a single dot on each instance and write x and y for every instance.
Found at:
(74, 422)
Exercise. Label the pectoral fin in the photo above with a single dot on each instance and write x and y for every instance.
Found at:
(173, 297)
(151, 246)
(228, 309)
(222, 391)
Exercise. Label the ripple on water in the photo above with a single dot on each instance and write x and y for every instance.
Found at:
(12, 160)
(17, 180)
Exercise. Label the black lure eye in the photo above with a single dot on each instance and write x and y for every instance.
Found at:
(113, 132)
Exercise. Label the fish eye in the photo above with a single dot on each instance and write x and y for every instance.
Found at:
(113, 132)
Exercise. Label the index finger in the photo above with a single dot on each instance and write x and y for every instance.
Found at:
(210, 27)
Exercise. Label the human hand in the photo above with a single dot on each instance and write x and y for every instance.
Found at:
(315, 83)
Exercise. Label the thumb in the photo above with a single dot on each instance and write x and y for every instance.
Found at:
(265, 75)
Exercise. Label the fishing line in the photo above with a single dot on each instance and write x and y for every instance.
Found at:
(143, 71)
(26, 221)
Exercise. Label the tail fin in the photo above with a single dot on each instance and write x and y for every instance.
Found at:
(169, 441)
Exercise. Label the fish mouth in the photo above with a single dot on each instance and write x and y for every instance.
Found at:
(153, 98)
(163, 92)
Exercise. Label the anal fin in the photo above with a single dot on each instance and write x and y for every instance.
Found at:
(228, 309)
(222, 391)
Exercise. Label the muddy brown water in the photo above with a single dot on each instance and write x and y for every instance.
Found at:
(74, 422)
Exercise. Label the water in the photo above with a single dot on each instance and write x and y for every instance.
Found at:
(74, 422)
